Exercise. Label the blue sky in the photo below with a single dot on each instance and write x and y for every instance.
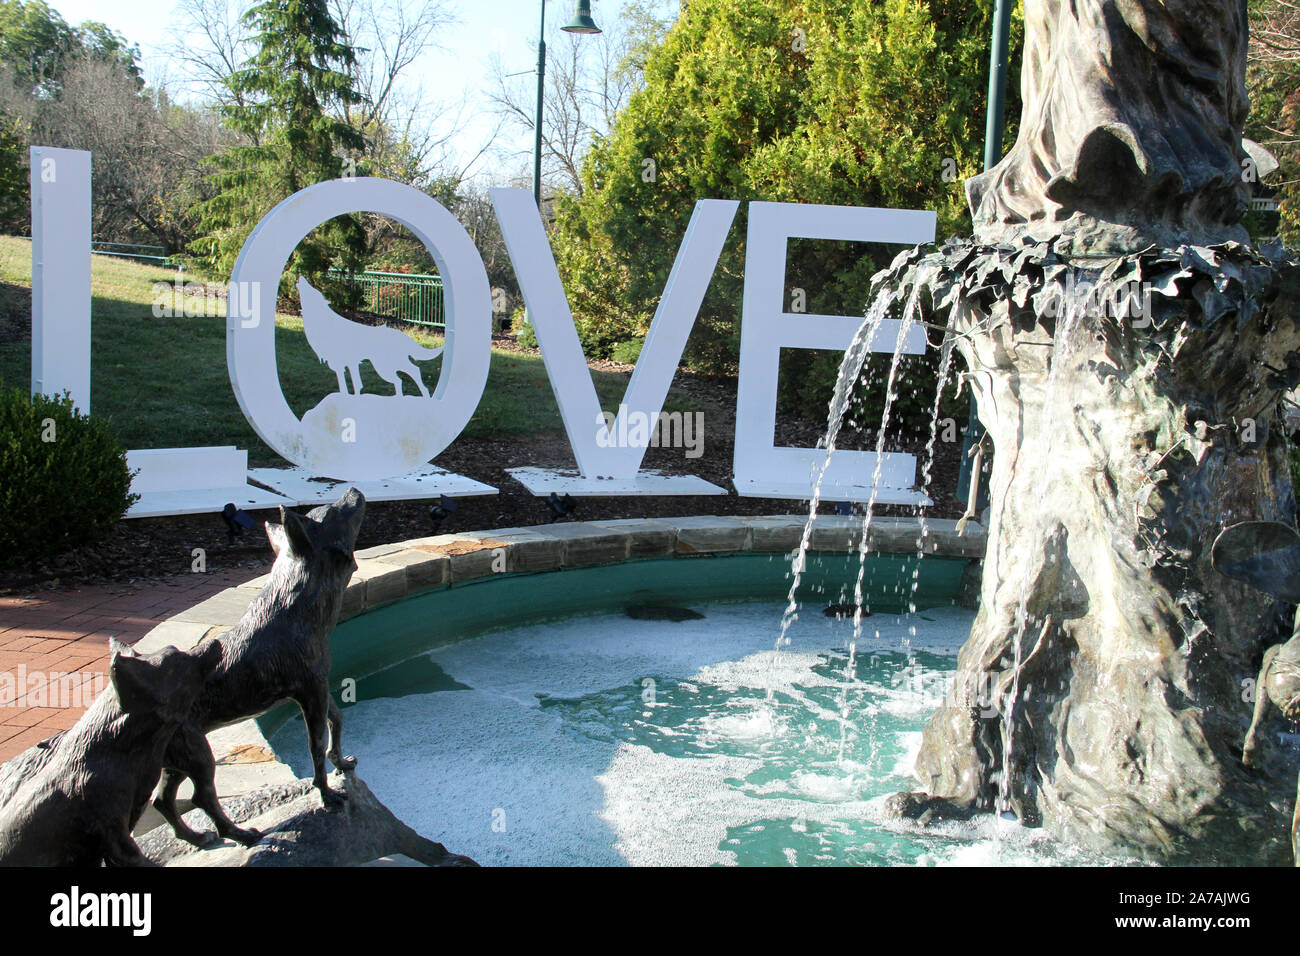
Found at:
(462, 67)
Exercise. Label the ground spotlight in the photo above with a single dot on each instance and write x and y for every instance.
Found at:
(237, 521)
(560, 507)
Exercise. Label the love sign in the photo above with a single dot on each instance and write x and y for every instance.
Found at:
(358, 437)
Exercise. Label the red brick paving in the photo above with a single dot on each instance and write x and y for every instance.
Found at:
(68, 631)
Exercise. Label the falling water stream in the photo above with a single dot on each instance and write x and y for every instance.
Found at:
(890, 394)
(904, 326)
(851, 367)
(1073, 306)
(945, 370)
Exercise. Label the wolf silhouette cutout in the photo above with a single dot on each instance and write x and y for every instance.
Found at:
(343, 345)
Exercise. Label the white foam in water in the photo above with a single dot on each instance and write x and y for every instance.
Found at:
(757, 725)
(607, 740)
(911, 744)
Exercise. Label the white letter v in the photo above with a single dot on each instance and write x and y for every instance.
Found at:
(566, 367)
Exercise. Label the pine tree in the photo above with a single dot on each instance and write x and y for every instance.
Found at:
(287, 97)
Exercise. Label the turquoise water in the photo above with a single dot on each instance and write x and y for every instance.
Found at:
(611, 741)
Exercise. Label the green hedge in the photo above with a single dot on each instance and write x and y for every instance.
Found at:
(63, 477)
(627, 352)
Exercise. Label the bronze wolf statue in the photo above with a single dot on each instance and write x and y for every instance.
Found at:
(72, 800)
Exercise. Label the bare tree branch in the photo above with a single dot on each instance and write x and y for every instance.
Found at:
(588, 81)
(212, 43)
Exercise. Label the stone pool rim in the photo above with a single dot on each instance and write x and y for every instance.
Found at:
(392, 572)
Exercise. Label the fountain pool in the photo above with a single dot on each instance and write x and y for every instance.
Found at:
(607, 739)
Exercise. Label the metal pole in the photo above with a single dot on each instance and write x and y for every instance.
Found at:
(995, 124)
(541, 80)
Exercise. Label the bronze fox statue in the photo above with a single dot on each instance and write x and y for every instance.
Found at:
(278, 651)
(72, 800)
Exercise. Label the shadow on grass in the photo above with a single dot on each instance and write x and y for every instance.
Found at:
(163, 381)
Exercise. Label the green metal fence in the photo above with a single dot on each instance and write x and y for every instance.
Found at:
(128, 250)
(400, 295)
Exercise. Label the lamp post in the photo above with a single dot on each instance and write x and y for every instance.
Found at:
(997, 84)
(582, 23)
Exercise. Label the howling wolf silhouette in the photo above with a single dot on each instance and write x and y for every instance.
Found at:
(343, 344)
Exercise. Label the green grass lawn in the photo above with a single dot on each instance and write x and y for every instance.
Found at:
(164, 384)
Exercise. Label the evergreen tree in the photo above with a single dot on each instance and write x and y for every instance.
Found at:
(286, 97)
(34, 42)
(14, 194)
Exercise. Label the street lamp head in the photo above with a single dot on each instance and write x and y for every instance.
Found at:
(582, 22)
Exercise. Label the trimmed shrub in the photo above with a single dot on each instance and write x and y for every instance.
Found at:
(63, 477)
(627, 352)
(524, 333)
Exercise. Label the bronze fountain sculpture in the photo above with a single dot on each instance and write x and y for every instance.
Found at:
(1122, 338)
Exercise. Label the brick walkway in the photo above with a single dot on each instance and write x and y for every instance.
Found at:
(52, 633)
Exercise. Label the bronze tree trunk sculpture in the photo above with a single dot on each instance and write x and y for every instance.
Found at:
(1124, 347)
